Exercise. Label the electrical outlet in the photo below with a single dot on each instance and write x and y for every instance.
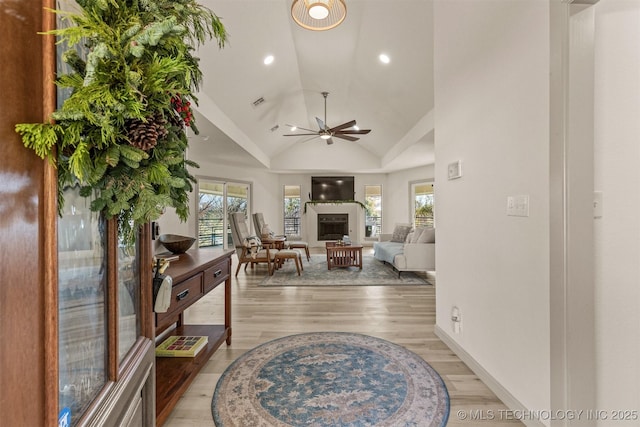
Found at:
(456, 320)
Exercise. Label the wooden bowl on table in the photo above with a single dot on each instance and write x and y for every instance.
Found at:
(175, 243)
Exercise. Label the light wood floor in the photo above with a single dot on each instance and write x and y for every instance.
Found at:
(403, 315)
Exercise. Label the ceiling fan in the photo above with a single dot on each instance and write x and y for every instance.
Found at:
(343, 131)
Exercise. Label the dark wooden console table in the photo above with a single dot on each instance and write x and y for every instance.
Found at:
(195, 274)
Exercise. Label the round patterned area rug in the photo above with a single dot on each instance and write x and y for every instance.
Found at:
(330, 379)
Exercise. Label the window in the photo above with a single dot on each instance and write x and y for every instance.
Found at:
(373, 210)
(292, 210)
(216, 199)
(422, 197)
(210, 214)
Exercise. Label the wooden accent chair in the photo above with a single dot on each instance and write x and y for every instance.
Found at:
(259, 223)
(249, 248)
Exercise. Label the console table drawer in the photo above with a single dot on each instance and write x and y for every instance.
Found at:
(215, 275)
(183, 295)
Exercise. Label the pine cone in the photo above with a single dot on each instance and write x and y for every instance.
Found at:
(176, 120)
(143, 135)
(161, 125)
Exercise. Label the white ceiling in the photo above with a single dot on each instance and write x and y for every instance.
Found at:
(394, 100)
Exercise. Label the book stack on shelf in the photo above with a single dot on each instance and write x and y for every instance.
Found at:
(181, 346)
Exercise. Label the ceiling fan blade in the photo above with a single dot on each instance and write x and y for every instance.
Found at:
(298, 127)
(300, 134)
(347, 137)
(354, 132)
(321, 124)
(346, 125)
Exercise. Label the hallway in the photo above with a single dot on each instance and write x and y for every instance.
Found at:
(403, 315)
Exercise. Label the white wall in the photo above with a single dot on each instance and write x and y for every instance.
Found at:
(395, 195)
(492, 113)
(617, 233)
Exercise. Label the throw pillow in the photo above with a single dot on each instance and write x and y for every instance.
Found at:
(252, 243)
(400, 233)
(266, 232)
(416, 234)
(427, 236)
(409, 237)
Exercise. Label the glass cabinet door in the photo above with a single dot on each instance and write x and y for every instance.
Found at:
(128, 297)
(82, 308)
(90, 297)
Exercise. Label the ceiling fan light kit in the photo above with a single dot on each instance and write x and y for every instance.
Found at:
(343, 131)
(318, 15)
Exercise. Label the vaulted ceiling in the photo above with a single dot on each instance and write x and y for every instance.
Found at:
(394, 100)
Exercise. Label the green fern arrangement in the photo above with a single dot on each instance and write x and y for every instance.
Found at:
(332, 202)
(121, 133)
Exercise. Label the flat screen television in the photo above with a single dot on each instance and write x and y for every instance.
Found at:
(332, 188)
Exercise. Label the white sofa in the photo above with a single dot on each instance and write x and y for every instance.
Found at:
(416, 253)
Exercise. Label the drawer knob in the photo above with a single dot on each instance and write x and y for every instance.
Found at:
(217, 273)
(182, 295)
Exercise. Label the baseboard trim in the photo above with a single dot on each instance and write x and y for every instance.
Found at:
(503, 394)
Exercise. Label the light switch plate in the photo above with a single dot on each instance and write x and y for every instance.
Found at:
(454, 170)
(518, 205)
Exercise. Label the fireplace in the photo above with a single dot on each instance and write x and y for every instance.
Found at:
(332, 226)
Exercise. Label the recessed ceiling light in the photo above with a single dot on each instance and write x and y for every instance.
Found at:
(268, 60)
(294, 128)
(384, 58)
